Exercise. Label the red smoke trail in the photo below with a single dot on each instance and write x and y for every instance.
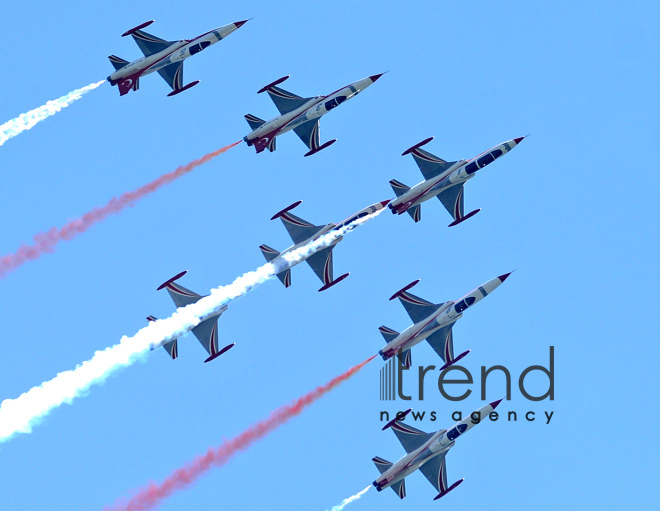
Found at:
(154, 493)
(46, 241)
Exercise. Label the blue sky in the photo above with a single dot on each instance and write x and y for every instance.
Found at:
(574, 209)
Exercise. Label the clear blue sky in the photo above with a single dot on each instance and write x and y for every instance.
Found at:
(574, 209)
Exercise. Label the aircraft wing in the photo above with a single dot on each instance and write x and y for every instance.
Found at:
(308, 132)
(435, 470)
(430, 165)
(452, 200)
(173, 75)
(150, 44)
(207, 334)
(299, 229)
(285, 101)
(442, 342)
(416, 307)
(411, 438)
(321, 263)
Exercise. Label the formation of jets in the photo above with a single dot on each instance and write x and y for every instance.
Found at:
(442, 179)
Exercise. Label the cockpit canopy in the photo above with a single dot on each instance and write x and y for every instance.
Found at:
(464, 304)
(196, 48)
(454, 433)
(329, 105)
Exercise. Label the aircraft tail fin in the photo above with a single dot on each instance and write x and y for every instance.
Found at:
(254, 121)
(270, 254)
(398, 187)
(388, 333)
(171, 347)
(117, 62)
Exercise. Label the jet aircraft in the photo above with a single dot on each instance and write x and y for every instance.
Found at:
(433, 322)
(166, 57)
(302, 233)
(302, 115)
(443, 180)
(206, 332)
(426, 452)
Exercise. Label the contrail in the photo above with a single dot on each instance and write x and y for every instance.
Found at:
(347, 501)
(21, 414)
(46, 241)
(27, 120)
(151, 495)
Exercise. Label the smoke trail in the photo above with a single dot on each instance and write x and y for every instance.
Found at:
(46, 241)
(347, 501)
(27, 120)
(154, 493)
(21, 414)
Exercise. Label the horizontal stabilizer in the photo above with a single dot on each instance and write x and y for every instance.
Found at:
(415, 212)
(171, 347)
(398, 187)
(381, 464)
(285, 277)
(254, 121)
(400, 488)
(268, 252)
(116, 62)
(405, 357)
(388, 333)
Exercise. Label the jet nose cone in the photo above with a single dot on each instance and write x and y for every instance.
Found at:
(505, 276)
(239, 24)
(495, 403)
(518, 140)
(373, 78)
(385, 202)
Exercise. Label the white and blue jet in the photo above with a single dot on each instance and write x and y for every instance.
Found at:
(426, 452)
(433, 322)
(302, 232)
(165, 57)
(443, 180)
(302, 115)
(206, 332)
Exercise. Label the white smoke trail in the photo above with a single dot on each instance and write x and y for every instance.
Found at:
(27, 120)
(21, 414)
(347, 501)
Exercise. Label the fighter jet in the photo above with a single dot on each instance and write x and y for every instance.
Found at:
(433, 322)
(443, 180)
(301, 115)
(302, 233)
(206, 332)
(426, 452)
(166, 57)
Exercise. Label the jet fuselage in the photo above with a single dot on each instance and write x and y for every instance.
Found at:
(457, 174)
(439, 443)
(313, 109)
(446, 315)
(282, 257)
(178, 51)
